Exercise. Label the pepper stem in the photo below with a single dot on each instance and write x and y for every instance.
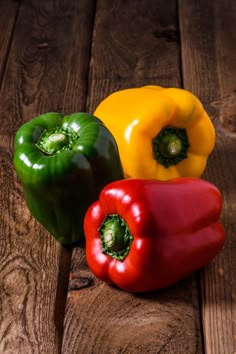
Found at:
(52, 142)
(170, 146)
(115, 236)
(57, 140)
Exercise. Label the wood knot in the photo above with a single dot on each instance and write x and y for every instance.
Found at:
(79, 283)
(43, 45)
(227, 113)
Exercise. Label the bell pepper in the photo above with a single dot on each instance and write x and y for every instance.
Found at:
(63, 163)
(143, 235)
(161, 133)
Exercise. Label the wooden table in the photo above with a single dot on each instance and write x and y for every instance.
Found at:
(66, 56)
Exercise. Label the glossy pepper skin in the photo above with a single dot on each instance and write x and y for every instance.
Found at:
(143, 234)
(161, 133)
(63, 163)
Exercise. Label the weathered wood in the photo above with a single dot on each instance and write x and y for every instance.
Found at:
(49, 44)
(132, 46)
(8, 15)
(208, 40)
(49, 38)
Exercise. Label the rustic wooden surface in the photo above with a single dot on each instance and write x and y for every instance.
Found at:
(66, 56)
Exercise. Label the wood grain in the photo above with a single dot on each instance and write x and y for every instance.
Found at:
(132, 46)
(8, 15)
(47, 49)
(209, 70)
(133, 42)
(34, 269)
(103, 319)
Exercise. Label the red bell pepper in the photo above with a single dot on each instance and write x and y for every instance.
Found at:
(143, 234)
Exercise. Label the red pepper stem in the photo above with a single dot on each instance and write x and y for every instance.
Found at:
(115, 237)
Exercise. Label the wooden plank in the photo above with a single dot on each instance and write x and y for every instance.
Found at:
(132, 46)
(50, 37)
(209, 66)
(135, 51)
(8, 15)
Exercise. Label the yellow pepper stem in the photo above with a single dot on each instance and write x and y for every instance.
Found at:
(170, 146)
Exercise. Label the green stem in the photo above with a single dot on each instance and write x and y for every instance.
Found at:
(115, 236)
(53, 141)
(170, 146)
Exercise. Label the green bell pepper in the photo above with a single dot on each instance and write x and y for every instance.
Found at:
(63, 162)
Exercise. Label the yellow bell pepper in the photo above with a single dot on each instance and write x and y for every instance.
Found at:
(161, 133)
